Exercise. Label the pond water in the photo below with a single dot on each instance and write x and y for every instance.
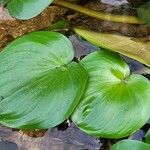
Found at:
(67, 136)
(63, 137)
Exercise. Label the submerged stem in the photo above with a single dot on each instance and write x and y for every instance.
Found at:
(99, 15)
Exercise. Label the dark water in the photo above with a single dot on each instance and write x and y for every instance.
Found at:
(63, 137)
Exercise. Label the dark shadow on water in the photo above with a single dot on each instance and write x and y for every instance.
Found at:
(64, 137)
(6, 145)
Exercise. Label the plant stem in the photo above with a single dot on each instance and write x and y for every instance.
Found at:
(99, 15)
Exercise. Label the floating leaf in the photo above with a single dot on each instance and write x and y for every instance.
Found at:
(124, 45)
(26, 9)
(112, 98)
(40, 85)
(130, 145)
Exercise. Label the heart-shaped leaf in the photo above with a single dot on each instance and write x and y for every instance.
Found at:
(40, 86)
(124, 45)
(115, 103)
(130, 145)
(144, 13)
(26, 9)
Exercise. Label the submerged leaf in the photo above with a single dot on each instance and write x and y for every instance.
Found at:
(112, 98)
(26, 9)
(130, 145)
(40, 85)
(124, 45)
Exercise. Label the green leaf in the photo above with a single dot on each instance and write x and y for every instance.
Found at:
(40, 86)
(130, 145)
(113, 98)
(60, 25)
(124, 45)
(144, 13)
(147, 137)
(26, 9)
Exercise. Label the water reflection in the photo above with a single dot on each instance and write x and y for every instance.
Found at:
(114, 2)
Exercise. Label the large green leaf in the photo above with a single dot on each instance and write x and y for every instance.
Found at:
(124, 45)
(130, 145)
(40, 86)
(26, 9)
(115, 103)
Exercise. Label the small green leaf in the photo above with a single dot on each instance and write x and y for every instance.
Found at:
(40, 86)
(147, 137)
(26, 9)
(124, 45)
(113, 98)
(144, 13)
(130, 145)
(60, 25)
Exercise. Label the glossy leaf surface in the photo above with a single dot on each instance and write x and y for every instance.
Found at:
(26, 9)
(113, 98)
(40, 86)
(130, 145)
(124, 45)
